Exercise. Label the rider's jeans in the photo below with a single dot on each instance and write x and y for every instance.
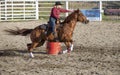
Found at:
(52, 24)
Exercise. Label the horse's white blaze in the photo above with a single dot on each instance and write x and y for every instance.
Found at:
(31, 54)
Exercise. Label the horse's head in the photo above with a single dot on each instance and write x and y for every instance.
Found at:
(81, 17)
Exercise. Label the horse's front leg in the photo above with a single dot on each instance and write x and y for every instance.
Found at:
(69, 46)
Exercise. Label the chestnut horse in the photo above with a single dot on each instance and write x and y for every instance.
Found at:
(64, 31)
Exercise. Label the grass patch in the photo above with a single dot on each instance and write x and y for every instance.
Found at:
(110, 18)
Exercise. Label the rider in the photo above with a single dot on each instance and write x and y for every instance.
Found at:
(55, 15)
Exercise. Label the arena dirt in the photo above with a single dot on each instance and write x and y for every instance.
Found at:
(96, 51)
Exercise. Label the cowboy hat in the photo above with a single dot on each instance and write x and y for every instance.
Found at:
(58, 3)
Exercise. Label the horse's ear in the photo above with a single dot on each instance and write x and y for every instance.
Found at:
(77, 11)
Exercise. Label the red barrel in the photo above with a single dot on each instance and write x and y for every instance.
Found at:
(53, 48)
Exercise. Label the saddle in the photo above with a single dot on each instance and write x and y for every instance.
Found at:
(46, 27)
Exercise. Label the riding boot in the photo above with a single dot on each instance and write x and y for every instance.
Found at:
(55, 37)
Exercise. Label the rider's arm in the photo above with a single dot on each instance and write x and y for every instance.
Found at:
(64, 10)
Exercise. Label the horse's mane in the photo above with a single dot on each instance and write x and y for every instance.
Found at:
(70, 17)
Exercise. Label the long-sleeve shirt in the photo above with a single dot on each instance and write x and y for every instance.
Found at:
(55, 12)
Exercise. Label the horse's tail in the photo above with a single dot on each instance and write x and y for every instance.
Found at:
(22, 32)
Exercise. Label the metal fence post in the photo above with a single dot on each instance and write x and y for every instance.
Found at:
(12, 9)
(5, 10)
(100, 10)
(67, 7)
(24, 10)
(37, 11)
(0, 11)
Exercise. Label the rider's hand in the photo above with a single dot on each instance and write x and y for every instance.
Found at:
(71, 10)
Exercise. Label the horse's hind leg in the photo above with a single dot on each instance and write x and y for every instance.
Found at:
(31, 47)
(41, 43)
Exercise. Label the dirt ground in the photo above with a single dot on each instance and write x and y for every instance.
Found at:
(96, 51)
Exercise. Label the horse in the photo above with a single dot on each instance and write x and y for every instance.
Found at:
(64, 30)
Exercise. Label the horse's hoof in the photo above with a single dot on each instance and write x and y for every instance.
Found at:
(68, 51)
(65, 51)
(61, 52)
(31, 55)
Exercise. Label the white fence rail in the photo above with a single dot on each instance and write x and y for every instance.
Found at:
(17, 10)
(14, 10)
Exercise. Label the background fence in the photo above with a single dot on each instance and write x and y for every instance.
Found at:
(16, 10)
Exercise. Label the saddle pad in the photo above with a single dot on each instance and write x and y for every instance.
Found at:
(44, 26)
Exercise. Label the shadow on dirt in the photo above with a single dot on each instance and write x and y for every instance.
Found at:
(77, 49)
(12, 53)
(96, 49)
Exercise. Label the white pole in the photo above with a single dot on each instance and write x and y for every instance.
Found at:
(24, 10)
(0, 11)
(5, 10)
(100, 10)
(67, 7)
(12, 9)
(37, 11)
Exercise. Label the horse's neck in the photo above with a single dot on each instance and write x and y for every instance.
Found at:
(71, 19)
(71, 23)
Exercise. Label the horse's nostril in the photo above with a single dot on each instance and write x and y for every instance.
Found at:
(87, 21)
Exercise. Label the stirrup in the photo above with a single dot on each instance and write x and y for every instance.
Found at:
(56, 40)
(45, 32)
